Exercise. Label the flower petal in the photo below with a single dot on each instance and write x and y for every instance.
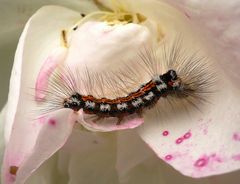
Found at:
(47, 173)
(2, 143)
(71, 164)
(90, 162)
(47, 70)
(221, 19)
(180, 140)
(131, 152)
(54, 132)
(136, 163)
(23, 131)
(109, 124)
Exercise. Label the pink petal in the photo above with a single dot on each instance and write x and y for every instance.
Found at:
(219, 19)
(109, 124)
(2, 142)
(40, 37)
(46, 71)
(199, 145)
(55, 128)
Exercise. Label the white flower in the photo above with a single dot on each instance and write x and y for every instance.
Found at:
(196, 145)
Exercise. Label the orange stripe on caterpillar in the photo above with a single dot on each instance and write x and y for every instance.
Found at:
(135, 102)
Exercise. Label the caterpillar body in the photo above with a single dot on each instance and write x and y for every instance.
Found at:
(135, 102)
(188, 77)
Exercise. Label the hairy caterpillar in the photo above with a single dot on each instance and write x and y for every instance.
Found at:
(122, 92)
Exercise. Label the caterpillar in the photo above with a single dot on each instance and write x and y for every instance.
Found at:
(187, 76)
(135, 102)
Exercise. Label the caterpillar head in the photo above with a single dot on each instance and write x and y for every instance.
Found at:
(74, 102)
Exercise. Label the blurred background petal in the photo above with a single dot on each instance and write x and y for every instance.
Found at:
(218, 19)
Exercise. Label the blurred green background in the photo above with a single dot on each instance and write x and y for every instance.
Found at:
(7, 51)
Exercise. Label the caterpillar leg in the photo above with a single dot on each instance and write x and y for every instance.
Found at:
(120, 118)
(98, 118)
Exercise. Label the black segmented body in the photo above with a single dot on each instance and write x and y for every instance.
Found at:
(145, 97)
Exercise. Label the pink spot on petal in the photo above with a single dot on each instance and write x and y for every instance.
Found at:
(213, 155)
(205, 131)
(179, 140)
(201, 162)
(187, 135)
(236, 136)
(52, 122)
(216, 158)
(168, 157)
(165, 133)
(236, 157)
